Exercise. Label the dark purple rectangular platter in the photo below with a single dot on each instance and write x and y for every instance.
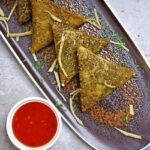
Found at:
(93, 133)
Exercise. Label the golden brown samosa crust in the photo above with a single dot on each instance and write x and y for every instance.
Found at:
(42, 12)
(73, 38)
(98, 77)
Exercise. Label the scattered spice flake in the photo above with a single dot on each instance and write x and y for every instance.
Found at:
(27, 33)
(132, 135)
(73, 111)
(60, 106)
(57, 80)
(147, 90)
(37, 66)
(12, 10)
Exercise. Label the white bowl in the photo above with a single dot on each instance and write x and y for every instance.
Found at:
(9, 129)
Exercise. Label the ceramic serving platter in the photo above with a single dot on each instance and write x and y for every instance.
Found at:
(96, 134)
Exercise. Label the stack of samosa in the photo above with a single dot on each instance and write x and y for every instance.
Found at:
(76, 52)
(73, 38)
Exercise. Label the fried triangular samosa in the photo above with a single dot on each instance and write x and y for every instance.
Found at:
(73, 38)
(44, 14)
(98, 77)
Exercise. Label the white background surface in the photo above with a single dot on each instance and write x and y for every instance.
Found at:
(15, 85)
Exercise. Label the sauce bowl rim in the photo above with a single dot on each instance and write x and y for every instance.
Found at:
(10, 116)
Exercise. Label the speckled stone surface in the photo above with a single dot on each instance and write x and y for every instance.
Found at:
(15, 85)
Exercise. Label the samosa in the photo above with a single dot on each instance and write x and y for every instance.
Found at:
(73, 38)
(44, 14)
(98, 77)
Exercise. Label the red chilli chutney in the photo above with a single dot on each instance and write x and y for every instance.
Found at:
(34, 124)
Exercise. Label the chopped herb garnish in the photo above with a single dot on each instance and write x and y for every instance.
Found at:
(115, 36)
(41, 80)
(119, 45)
(107, 24)
(118, 119)
(122, 64)
(137, 66)
(37, 66)
(106, 27)
(117, 40)
(124, 119)
(147, 90)
(60, 106)
(27, 29)
(54, 82)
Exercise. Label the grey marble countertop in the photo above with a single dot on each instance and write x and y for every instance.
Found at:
(15, 85)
